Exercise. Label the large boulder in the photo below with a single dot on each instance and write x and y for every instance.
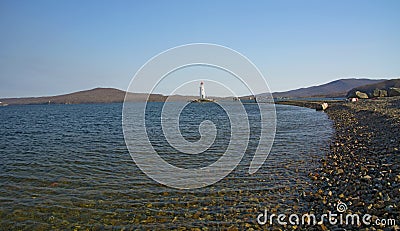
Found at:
(393, 91)
(361, 95)
(351, 94)
(357, 94)
(378, 93)
(386, 88)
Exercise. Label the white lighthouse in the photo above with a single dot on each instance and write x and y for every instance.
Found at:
(202, 98)
(202, 92)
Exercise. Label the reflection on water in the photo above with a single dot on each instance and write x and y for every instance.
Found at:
(67, 166)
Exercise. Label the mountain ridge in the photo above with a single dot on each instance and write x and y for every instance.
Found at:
(336, 88)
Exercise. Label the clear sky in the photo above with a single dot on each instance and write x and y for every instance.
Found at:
(55, 47)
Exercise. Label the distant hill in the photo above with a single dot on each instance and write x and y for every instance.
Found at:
(381, 89)
(337, 88)
(96, 95)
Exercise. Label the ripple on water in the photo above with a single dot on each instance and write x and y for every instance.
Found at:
(64, 166)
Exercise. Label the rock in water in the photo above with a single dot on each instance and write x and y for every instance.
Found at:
(322, 107)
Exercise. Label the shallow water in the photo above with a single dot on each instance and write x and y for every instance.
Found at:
(67, 166)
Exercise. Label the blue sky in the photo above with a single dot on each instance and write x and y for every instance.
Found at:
(56, 47)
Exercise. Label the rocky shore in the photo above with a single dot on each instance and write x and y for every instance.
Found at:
(362, 169)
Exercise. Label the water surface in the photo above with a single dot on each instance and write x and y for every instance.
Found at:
(67, 166)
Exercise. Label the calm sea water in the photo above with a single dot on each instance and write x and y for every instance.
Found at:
(67, 167)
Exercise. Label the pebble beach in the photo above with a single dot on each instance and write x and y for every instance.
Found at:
(361, 169)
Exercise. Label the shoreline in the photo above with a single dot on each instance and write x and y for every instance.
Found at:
(362, 167)
(315, 104)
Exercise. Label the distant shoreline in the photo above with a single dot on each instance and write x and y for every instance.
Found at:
(335, 89)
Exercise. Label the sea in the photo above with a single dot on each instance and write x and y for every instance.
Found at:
(68, 167)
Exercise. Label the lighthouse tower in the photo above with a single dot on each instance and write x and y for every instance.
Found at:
(202, 92)
(202, 98)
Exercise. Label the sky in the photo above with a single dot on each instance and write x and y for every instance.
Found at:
(56, 47)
